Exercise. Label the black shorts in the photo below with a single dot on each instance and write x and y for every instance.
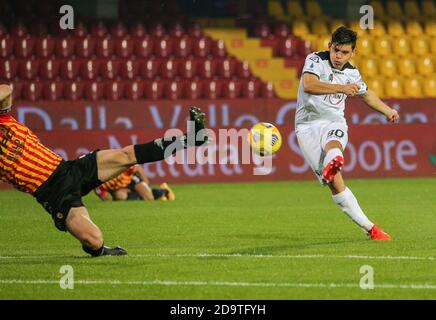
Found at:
(67, 185)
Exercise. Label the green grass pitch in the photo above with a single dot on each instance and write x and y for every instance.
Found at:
(282, 240)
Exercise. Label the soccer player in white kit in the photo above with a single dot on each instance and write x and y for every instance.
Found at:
(320, 126)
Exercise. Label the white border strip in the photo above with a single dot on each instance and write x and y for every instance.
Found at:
(220, 284)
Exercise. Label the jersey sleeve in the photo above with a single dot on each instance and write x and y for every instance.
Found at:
(313, 65)
(359, 81)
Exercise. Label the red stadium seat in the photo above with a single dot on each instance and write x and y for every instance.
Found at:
(118, 30)
(187, 69)
(288, 47)
(144, 47)
(176, 30)
(109, 69)
(44, 47)
(24, 47)
(6, 47)
(69, 69)
(169, 69)
(243, 69)
(73, 90)
(267, 90)
(99, 29)
(219, 49)
(163, 47)
(124, 47)
(129, 69)
(49, 69)
(39, 29)
(53, 90)
(262, 30)
(94, 90)
(173, 90)
(282, 31)
(153, 89)
(89, 69)
(149, 69)
(17, 88)
(104, 47)
(212, 89)
(193, 90)
(134, 90)
(80, 29)
(195, 31)
(157, 30)
(65, 47)
(85, 47)
(3, 31)
(304, 47)
(201, 47)
(207, 68)
(8, 69)
(137, 30)
(231, 89)
(250, 89)
(31, 91)
(226, 68)
(18, 30)
(182, 47)
(114, 91)
(28, 69)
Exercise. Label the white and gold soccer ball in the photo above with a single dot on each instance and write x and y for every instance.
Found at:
(265, 139)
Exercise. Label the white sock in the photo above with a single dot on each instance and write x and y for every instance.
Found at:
(332, 153)
(348, 203)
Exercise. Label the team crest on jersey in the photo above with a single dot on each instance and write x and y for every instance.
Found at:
(331, 77)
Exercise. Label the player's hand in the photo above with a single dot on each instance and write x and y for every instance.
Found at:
(350, 89)
(392, 116)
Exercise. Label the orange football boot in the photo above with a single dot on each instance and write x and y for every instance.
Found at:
(377, 233)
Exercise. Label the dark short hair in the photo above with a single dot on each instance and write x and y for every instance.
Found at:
(343, 35)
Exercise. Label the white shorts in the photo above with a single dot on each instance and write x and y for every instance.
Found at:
(312, 140)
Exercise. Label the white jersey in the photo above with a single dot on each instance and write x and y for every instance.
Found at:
(325, 107)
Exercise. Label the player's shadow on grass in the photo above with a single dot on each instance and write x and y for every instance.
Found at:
(292, 242)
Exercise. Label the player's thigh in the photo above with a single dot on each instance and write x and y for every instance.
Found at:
(335, 131)
(309, 141)
(112, 162)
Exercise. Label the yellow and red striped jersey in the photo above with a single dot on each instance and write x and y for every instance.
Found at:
(24, 161)
(121, 181)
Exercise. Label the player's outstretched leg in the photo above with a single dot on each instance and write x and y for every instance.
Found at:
(346, 200)
(80, 225)
(111, 163)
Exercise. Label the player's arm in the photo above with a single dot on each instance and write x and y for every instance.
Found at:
(139, 171)
(313, 85)
(374, 102)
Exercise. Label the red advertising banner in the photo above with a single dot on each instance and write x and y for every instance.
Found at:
(373, 151)
(128, 115)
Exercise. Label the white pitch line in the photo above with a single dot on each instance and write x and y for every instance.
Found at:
(267, 256)
(243, 255)
(222, 284)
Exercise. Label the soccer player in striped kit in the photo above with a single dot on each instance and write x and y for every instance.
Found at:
(133, 184)
(59, 185)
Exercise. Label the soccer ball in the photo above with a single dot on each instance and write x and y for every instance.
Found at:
(265, 139)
